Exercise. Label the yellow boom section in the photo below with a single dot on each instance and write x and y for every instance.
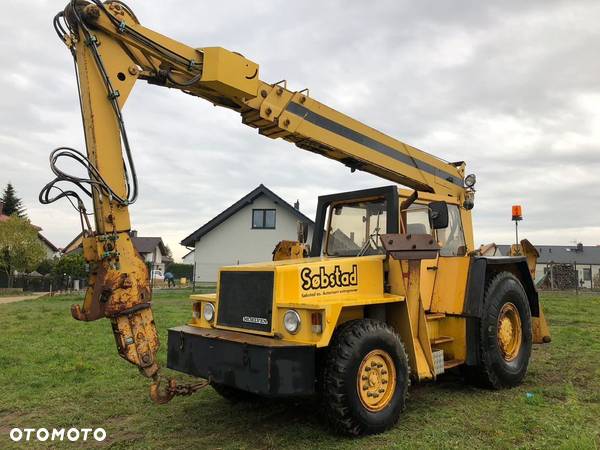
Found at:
(228, 79)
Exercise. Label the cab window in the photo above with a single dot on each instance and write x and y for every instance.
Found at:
(354, 228)
(417, 219)
(452, 238)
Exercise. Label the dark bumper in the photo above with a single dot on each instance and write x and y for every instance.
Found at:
(258, 364)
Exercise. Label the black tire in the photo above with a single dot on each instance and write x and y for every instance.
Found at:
(234, 395)
(340, 400)
(495, 371)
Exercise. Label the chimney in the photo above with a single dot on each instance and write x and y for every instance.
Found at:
(133, 233)
(297, 205)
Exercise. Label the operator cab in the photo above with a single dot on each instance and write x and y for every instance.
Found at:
(354, 222)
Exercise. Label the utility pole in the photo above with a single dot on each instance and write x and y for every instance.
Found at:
(576, 278)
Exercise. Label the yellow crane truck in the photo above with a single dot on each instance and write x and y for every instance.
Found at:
(391, 288)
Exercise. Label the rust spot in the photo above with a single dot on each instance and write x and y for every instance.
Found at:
(125, 281)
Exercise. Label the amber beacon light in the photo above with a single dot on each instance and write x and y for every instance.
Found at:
(517, 213)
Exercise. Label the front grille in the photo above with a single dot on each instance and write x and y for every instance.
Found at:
(246, 300)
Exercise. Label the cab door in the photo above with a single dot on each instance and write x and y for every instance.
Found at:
(429, 268)
(452, 266)
(418, 222)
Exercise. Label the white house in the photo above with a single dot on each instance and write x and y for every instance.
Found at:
(152, 250)
(245, 232)
(51, 249)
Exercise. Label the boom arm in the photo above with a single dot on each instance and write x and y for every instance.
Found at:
(228, 79)
(112, 50)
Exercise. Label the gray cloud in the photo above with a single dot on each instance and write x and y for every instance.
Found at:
(510, 87)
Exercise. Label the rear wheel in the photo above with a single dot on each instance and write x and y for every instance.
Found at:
(364, 382)
(505, 334)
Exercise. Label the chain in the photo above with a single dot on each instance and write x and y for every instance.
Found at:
(189, 388)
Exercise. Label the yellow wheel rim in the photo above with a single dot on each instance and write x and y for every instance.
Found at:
(510, 333)
(376, 380)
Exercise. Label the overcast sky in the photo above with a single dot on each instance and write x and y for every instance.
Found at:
(510, 87)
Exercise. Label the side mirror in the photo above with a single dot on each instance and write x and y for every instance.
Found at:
(438, 214)
(302, 230)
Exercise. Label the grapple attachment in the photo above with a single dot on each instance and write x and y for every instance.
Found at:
(119, 290)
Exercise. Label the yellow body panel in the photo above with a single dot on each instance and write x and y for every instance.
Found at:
(301, 285)
(450, 285)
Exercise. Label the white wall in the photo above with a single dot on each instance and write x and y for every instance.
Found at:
(188, 258)
(49, 252)
(235, 242)
(155, 258)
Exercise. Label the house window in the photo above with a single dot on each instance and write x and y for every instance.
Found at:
(587, 274)
(263, 219)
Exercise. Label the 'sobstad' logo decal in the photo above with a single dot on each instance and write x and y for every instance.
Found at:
(324, 280)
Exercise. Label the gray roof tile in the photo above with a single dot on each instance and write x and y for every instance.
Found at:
(563, 254)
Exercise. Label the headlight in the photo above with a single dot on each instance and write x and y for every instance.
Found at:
(208, 312)
(470, 180)
(291, 321)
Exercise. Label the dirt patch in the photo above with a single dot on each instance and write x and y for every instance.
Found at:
(19, 298)
(12, 419)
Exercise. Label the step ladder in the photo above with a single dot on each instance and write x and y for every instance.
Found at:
(440, 363)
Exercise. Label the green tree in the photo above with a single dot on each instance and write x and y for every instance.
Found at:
(72, 265)
(46, 266)
(12, 203)
(20, 247)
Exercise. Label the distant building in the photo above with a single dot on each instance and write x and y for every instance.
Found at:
(151, 249)
(246, 232)
(586, 258)
(188, 258)
(74, 246)
(49, 247)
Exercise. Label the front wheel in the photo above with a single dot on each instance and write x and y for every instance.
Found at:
(365, 378)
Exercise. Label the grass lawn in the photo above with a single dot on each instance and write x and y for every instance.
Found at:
(56, 372)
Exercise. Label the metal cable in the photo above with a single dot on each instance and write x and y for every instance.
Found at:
(95, 182)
